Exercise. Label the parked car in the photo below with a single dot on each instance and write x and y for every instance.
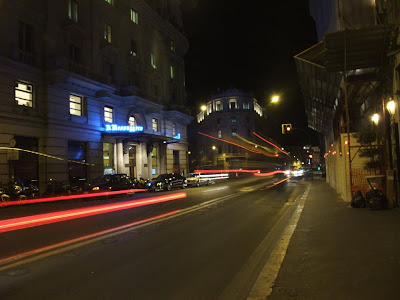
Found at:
(166, 182)
(110, 182)
(198, 179)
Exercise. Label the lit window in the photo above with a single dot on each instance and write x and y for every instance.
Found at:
(154, 123)
(246, 105)
(133, 51)
(218, 106)
(75, 105)
(110, 2)
(107, 32)
(233, 119)
(232, 104)
(219, 134)
(172, 46)
(108, 114)
(153, 61)
(24, 94)
(132, 121)
(172, 72)
(73, 10)
(134, 16)
(154, 161)
(173, 129)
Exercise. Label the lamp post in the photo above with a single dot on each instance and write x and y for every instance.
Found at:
(394, 131)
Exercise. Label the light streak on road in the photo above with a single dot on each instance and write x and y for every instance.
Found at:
(222, 140)
(277, 147)
(275, 184)
(227, 171)
(269, 173)
(41, 219)
(83, 238)
(69, 197)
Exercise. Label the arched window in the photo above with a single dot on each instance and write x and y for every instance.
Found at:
(132, 121)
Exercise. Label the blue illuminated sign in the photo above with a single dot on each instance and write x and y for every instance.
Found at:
(118, 128)
(177, 137)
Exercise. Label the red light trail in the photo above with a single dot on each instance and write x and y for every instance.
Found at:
(270, 143)
(41, 219)
(82, 238)
(69, 197)
(227, 171)
(270, 173)
(215, 138)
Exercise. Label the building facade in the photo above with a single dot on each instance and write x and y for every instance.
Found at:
(89, 87)
(224, 133)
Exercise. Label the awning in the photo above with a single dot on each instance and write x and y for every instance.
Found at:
(321, 68)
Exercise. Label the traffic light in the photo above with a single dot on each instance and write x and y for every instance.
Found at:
(286, 128)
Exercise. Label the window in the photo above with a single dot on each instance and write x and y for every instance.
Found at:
(25, 37)
(218, 106)
(108, 155)
(153, 61)
(75, 53)
(132, 121)
(133, 51)
(108, 68)
(219, 134)
(171, 72)
(110, 2)
(232, 104)
(173, 129)
(107, 32)
(246, 105)
(154, 123)
(108, 114)
(233, 119)
(24, 94)
(75, 105)
(134, 16)
(73, 10)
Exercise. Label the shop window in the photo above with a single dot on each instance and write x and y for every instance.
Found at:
(77, 168)
(108, 114)
(75, 105)
(154, 161)
(108, 157)
(24, 94)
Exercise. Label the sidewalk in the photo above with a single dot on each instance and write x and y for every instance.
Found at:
(339, 252)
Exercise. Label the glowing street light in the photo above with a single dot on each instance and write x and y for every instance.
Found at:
(275, 99)
(375, 119)
(391, 107)
(214, 148)
(203, 108)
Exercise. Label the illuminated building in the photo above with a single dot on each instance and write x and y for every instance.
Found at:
(70, 68)
(230, 117)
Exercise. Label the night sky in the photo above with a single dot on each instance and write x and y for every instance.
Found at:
(249, 46)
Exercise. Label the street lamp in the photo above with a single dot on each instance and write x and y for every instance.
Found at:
(275, 99)
(203, 108)
(391, 107)
(214, 148)
(375, 119)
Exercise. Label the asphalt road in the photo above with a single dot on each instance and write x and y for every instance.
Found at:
(201, 252)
